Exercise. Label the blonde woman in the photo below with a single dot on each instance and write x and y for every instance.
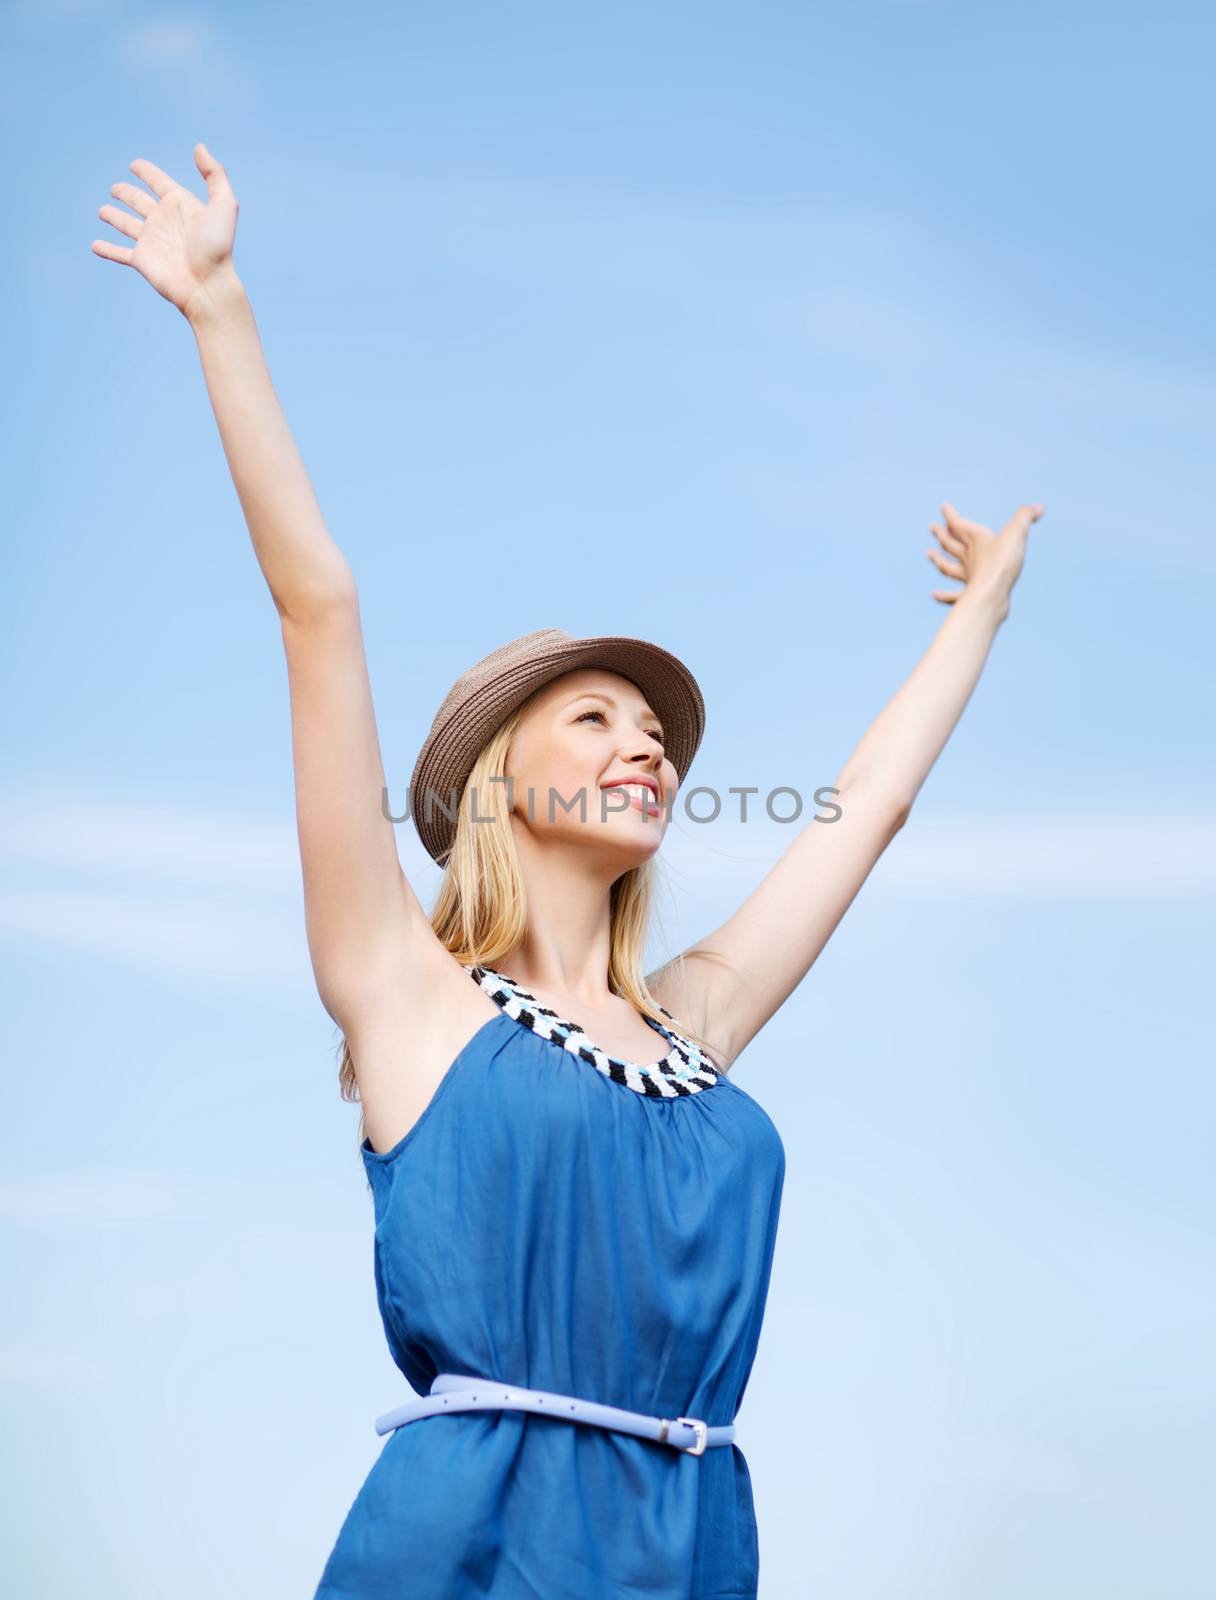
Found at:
(576, 1206)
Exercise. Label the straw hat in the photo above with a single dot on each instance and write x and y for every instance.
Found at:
(483, 697)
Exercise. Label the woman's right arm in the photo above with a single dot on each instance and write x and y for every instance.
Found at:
(368, 935)
(360, 910)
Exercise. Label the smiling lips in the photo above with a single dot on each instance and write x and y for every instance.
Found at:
(642, 795)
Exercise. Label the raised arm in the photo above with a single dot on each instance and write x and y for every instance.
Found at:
(366, 927)
(732, 981)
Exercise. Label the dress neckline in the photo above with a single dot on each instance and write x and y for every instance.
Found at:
(684, 1070)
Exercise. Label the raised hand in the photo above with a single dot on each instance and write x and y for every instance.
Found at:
(183, 245)
(981, 558)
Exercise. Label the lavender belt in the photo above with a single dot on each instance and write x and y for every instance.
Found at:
(459, 1391)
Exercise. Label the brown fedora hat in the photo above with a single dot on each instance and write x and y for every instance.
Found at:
(483, 697)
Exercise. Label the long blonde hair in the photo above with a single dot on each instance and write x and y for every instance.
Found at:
(481, 909)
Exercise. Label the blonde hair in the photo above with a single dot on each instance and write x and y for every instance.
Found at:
(481, 909)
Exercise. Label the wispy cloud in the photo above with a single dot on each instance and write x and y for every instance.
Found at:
(171, 39)
(1136, 855)
(189, 890)
(218, 895)
(50, 1199)
(792, 282)
(1047, 855)
(194, 935)
(166, 844)
(181, 49)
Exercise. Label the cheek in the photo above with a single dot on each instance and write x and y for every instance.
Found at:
(541, 768)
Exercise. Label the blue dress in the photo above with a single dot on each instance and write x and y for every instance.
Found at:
(563, 1220)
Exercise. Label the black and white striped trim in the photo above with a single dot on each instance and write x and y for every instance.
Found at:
(685, 1069)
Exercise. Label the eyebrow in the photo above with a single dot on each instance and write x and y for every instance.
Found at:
(608, 700)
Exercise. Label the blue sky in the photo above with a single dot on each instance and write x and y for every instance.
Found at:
(678, 322)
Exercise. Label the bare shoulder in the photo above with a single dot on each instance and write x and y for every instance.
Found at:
(406, 1032)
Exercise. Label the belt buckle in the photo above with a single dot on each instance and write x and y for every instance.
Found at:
(702, 1431)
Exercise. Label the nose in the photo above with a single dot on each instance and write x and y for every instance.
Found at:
(649, 756)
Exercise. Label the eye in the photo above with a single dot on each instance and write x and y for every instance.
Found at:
(655, 733)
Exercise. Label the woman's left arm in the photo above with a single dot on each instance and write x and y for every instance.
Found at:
(733, 980)
(899, 748)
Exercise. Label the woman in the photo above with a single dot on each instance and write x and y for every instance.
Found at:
(573, 1239)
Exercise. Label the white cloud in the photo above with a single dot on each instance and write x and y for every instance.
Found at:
(218, 895)
(183, 53)
(165, 844)
(91, 1199)
(1086, 855)
(172, 39)
(1133, 855)
(210, 939)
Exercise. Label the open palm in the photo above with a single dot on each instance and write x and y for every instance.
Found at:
(181, 242)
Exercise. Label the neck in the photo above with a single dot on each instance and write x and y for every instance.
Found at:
(566, 947)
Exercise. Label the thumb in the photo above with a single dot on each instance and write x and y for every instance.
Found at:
(214, 174)
(1022, 519)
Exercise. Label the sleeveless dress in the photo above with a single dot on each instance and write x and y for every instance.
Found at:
(560, 1219)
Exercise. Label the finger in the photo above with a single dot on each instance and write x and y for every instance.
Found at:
(953, 546)
(112, 252)
(1024, 517)
(159, 182)
(215, 175)
(947, 596)
(138, 199)
(952, 569)
(962, 527)
(131, 226)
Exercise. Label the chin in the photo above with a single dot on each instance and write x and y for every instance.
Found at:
(628, 842)
(639, 839)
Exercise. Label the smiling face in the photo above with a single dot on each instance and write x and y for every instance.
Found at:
(585, 734)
